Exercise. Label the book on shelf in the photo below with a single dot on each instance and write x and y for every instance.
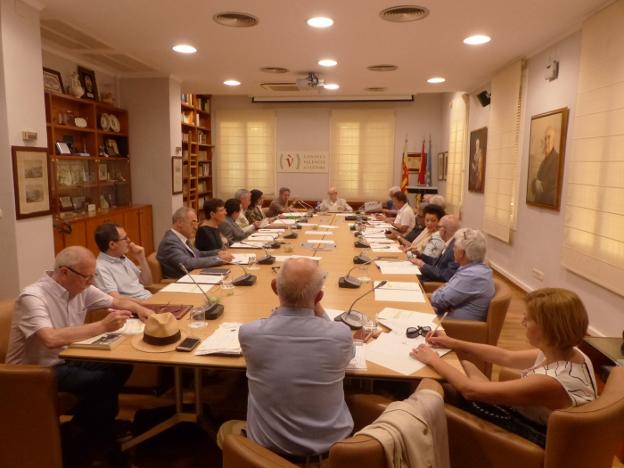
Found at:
(202, 155)
(103, 341)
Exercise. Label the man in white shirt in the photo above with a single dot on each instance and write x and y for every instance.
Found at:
(333, 203)
(116, 274)
(405, 220)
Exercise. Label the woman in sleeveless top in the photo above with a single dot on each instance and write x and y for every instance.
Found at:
(555, 374)
(254, 210)
(208, 236)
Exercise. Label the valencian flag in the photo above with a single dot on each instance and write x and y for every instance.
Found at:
(423, 165)
(404, 169)
(429, 164)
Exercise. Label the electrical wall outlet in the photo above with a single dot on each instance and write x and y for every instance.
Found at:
(539, 274)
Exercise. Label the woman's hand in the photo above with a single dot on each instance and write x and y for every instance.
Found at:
(424, 354)
(441, 340)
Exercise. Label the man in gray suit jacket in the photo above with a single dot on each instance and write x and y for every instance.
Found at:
(175, 248)
(441, 268)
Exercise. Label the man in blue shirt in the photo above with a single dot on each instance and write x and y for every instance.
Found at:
(468, 293)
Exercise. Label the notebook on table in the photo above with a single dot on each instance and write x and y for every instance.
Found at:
(178, 310)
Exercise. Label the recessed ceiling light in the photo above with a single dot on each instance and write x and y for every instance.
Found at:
(320, 22)
(327, 63)
(184, 49)
(436, 80)
(477, 39)
(331, 86)
(231, 82)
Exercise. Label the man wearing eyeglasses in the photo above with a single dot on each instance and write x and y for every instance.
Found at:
(49, 315)
(116, 274)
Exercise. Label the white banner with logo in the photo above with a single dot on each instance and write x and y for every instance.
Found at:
(303, 161)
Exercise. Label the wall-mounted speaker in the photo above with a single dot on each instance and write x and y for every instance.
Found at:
(484, 98)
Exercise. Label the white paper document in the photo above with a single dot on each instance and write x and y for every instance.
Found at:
(186, 288)
(248, 245)
(400, 319)
(201, 279)
(320, 241)
(308, 224)
(397, 268)
(396, 291)
(359, 360)
(333, 313)
(284, 222)
(283, 258)
(264, 236)
(223, 341)
(274, 231)
(319, 233)
(243, 259)
(384, 247)
(133, 326)
(392, 350)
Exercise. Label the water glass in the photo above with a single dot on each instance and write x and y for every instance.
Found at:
(227, 287)
(198, 317)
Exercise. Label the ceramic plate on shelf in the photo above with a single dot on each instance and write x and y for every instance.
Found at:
(115, 126)
(105, 122)
(80, 122)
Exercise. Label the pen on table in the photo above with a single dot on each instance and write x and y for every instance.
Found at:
(439, 323)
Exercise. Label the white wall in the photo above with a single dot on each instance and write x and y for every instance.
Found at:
(537, 239)
(306, 127)
(153, 106)
(28, 245)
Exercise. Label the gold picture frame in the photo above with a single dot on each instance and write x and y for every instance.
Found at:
(31, 181)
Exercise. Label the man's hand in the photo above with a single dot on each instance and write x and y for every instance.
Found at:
(136, 249)
(257, 224)
(225, 256)
(115, 319)
(392, 235)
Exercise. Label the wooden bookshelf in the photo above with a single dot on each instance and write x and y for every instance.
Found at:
(196, 150)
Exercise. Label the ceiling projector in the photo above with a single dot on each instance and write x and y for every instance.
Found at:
(311, 81)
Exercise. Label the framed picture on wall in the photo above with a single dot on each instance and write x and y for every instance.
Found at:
(442, 165)
(476, 162)
(176, 175)
(546, 158)
(89, 85)
(31, 181)
(52, 81)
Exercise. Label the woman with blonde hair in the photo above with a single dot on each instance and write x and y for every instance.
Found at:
(555, 374)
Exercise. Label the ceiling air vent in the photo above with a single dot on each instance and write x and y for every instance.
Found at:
(404, 13)
(376, 89)
(234, 19)
(281, 87)
(274, 70)
(383, 68)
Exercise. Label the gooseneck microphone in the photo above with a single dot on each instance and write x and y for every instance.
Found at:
(268, 259)
(353, 318)
(211, 310)
(348, 281)
(245, 279)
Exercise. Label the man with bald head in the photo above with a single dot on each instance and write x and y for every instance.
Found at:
(440, 268)
(296, 361)
(50, 314)
(333, 203)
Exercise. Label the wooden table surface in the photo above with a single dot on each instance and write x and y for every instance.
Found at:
(248, 303)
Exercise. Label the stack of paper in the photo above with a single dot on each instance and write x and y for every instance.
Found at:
(398, 291)
(264, 236)
(319, 233)
(273, 231)
(243, 259)
(375, 247)
(284, 222)
(133, 326)
(248, 245)
(398, 268)
(283, 258)
(223, 341)
(189, 288)
(400, 319)
(201, 279)
(320, 241)
(327, 226)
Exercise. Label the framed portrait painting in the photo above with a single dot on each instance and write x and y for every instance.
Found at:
(176, 175)
(476, 161)
(31, 181)
(546, 158)
(89, 85)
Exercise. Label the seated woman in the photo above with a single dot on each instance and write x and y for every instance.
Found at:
(555, 374)
(254, 210)
(429, 242)
(230, 230)
(467, 295)
(333, 203)
(208, 236)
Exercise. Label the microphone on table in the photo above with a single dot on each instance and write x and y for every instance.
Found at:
(348, 281)
(211, 311)
(353, 318)
(268, 259)
(361, 259)
(245, 279)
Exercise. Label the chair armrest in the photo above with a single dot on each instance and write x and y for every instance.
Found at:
(365, 408)
(431, 286)
(356, 452)
(467, 330)
(474, 442)
(241, 452)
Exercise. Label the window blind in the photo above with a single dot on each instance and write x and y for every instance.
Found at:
(361, 153)
(245, 152)
(456, 154)
(502, 162)
(594, 203)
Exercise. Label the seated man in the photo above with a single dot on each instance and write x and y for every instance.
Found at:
(116, 274)
(468, 293)
(405, 220)
(296, 362)
(175, 248)
(440, 268)
(244, 197)
(333, 203)
(49, 315)
(229, 228)
(388, 207)
(279, 205)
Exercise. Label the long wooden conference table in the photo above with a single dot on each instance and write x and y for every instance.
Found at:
(248, 303)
